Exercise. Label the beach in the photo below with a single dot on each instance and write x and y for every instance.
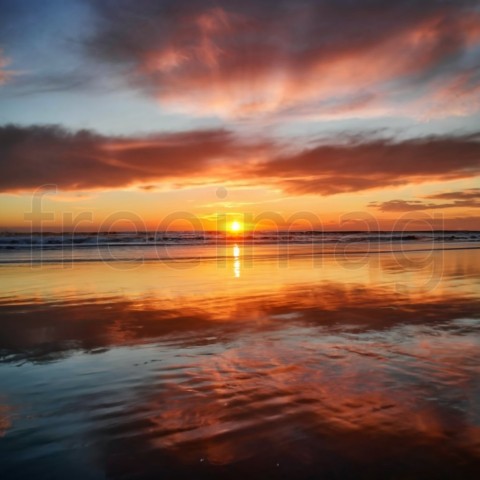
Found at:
(245, 361)
(239, 240)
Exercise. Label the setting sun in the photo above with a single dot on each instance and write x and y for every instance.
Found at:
(236, 227)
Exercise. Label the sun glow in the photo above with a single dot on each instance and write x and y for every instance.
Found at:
(235, 227)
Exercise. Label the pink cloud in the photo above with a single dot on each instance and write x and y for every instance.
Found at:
(265, 58)
(457, 96)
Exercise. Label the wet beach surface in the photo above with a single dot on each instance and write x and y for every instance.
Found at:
(353, 367)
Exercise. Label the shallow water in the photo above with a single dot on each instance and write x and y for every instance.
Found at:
(274, 366)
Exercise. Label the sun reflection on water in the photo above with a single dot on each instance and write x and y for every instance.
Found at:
(236, 261)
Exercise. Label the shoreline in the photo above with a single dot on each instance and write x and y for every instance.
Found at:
(235, 250)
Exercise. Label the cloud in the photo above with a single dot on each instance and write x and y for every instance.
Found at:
(367, 164)
(5, 75)
(466, 199)
(243, 58)
(458, 95)
(415, 205)
(472, 194)
(28, 83)
(84, 160)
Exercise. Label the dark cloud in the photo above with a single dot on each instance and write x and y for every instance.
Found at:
(38, 155)
(466, 199)
(470, 194)
(416, 205)
(242, 57)
(5, 75)
(362, 165)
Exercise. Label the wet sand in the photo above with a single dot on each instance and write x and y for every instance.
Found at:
(350, 366)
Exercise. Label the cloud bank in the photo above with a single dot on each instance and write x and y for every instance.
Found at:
(367, 164)
(320, 58)
(38, 155)
(82, 160)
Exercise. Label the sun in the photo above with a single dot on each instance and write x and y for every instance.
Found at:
(235, 227)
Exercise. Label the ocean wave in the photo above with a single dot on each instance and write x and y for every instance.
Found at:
(49, 240)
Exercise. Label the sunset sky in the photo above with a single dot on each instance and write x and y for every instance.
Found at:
(364, 113)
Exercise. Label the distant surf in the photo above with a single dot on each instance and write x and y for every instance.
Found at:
(38, 248)
(49, 240)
